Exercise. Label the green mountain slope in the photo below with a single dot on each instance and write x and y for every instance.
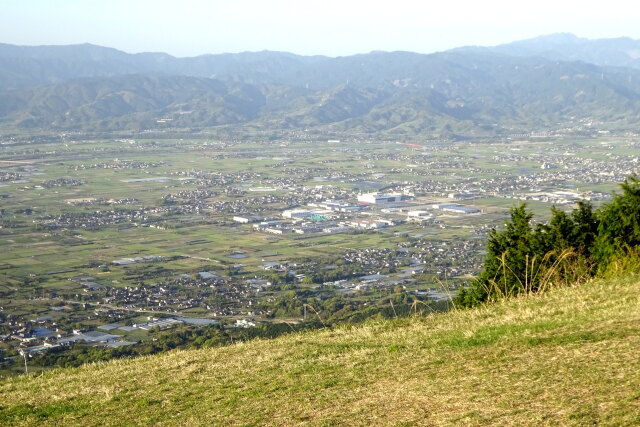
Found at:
(468, 91)
(569, 357)
(131, 102)
(394, 93)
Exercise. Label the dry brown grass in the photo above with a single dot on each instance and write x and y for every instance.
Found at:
(554, 269)
(567, 357)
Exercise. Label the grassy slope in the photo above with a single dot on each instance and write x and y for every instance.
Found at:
(567, 358)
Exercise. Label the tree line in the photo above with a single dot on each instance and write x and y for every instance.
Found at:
(528, 258)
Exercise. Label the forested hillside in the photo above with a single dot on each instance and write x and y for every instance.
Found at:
(460, 93)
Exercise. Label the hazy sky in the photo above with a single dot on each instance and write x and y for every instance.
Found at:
(328, 27)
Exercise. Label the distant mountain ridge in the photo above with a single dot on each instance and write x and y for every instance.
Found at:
(27, 66)
(466, 91)
(616, 52)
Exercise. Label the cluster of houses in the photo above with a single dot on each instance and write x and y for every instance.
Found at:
(93, 220)
(546, 182)
(86, 201)
(146, 258)
(216, 179)
(42, 334)
(118, 164)
(61, 182)
(10, 176)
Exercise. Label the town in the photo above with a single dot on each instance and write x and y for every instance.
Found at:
(155, 235)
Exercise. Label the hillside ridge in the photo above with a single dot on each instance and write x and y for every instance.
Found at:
(567, 357)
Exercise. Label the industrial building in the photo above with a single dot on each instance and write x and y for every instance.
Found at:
(381, 198)
(455, 208)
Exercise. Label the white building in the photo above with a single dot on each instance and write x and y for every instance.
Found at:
(381, 198)
(278, 230)
(370, 224)
(267, 224)
(455, 208)
(418, 214)
(246, 219)
(464, 195)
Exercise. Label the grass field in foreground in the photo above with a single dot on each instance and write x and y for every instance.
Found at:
(569, 357)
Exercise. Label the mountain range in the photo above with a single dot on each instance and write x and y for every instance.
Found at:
(550, 82)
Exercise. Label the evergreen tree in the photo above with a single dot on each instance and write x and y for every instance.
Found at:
(585, 228)
(559, 230)
(509, 254)
(619, 226)
(522, 257)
